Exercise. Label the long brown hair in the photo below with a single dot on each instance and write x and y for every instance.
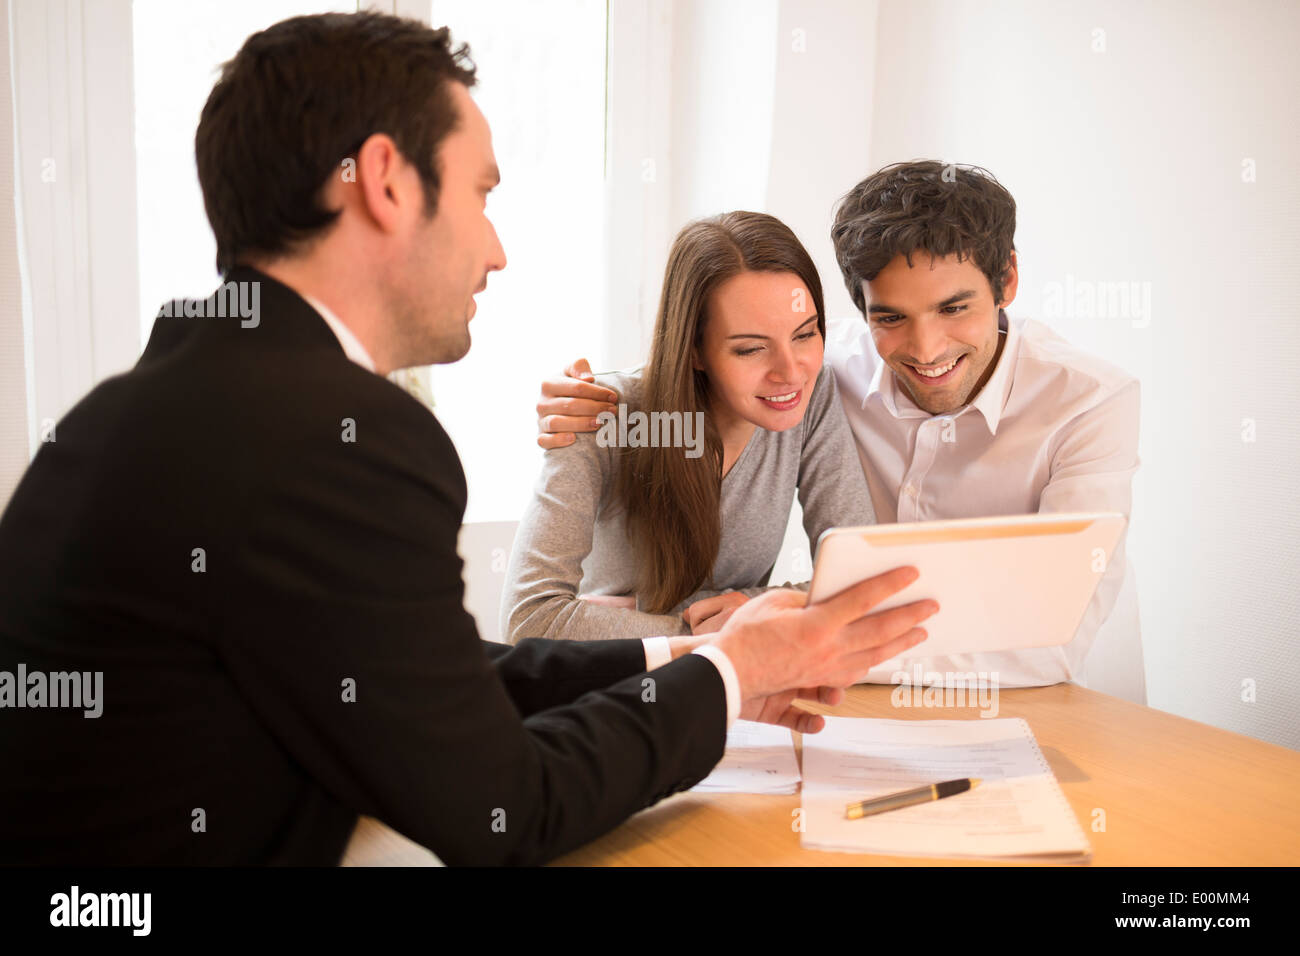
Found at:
(671, 502)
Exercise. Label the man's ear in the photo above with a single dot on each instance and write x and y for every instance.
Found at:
(1010, 281)
(384, 182)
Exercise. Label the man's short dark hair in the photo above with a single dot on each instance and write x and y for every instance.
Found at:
(298, 99)
(924, 205)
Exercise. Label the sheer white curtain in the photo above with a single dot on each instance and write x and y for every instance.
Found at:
(177, 250)
(14, 431)
(110, 219)
(75, 199)
(105, 99)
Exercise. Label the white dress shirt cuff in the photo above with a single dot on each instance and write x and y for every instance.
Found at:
(658, 652)
(729, 678)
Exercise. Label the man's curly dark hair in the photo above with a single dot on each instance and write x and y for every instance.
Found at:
(924, 205)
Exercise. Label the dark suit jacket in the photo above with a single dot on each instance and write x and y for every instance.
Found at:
(325, 564)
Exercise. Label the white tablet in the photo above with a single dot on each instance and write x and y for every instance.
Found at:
(1001, 583)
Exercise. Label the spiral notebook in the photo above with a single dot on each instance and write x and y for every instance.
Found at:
(1017, 811)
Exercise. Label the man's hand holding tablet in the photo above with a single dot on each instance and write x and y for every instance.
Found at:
(784, 648)
(1006, 582)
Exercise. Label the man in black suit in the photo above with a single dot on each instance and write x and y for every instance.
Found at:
(247, 544)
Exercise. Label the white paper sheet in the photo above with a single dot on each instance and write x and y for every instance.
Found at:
(1018, 810)
(759, 758)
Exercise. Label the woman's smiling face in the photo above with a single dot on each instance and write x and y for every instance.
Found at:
(762, 350)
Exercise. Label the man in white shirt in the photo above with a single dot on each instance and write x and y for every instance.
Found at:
(958, 411)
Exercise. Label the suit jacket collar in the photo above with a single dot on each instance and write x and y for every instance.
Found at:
(284, 309)
(248, 306)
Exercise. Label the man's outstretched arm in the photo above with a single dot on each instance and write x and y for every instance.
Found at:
(540, 673)
(353, 647)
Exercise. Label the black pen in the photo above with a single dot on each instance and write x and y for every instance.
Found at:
(907, 798)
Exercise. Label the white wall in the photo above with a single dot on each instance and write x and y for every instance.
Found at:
(723, 84)
(1125, 150)
(821, 128)
(1122, 130)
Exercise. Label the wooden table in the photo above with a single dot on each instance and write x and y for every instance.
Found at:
(1174, 793)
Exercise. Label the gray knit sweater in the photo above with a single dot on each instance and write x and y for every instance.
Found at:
(572, 539)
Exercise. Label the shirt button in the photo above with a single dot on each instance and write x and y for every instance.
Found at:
(910, 490)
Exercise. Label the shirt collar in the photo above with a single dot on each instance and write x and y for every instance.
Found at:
(992, 398)
(884, 385)
(352, 346)
(990, 401)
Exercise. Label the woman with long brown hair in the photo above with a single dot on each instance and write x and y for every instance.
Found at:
(741, 415)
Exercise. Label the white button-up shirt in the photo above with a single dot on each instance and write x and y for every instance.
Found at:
(1053, 430)
(352, 346)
